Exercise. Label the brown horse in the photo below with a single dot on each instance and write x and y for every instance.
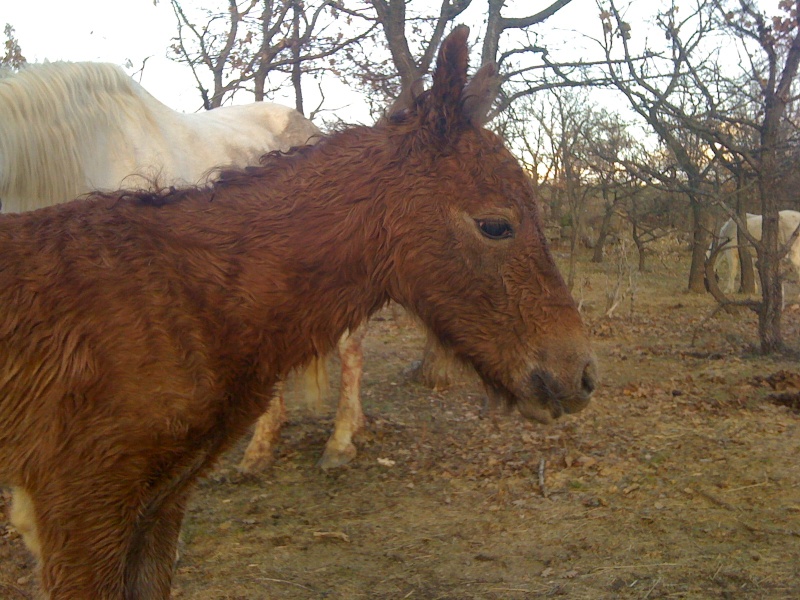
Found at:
(141, 333)
(60, 120)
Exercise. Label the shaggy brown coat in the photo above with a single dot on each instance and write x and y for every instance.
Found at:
(141, 334)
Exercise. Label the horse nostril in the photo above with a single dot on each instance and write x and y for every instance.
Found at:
(588, 380)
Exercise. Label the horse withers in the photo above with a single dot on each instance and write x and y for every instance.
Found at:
(141, 333)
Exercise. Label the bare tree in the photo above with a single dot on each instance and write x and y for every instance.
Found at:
(610, 147)
(411, 31)
(568, 120)
(775, 71)
(259, 45)
(691, 101)
(656, 88)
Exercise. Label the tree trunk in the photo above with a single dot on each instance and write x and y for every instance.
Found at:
(297, 69)
(573, 252)
(769, 257)
(494, 27)
(770, 313)
(770, 316)
(748, 279)
(700, 242)
(605, 228)
(392, 17)
(640, 246)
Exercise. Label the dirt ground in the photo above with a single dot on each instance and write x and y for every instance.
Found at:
(681, 479)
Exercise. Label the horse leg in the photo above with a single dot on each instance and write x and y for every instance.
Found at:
(259, 453)
(794, 259)
(157, 513)
(151, 558)
(340, 449)
(83, 536)
(732, 256)
(315, 383)
(23, 518)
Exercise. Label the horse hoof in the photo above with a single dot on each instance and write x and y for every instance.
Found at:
(333, 458)
(254, 465)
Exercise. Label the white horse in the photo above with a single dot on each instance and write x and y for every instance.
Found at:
(70, 128)
(728, 259)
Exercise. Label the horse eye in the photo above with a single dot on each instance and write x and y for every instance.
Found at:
(495, 229)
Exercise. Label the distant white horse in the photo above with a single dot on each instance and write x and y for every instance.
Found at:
(69, 128)
(728, 259)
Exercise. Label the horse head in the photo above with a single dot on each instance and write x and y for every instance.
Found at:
(476, 268)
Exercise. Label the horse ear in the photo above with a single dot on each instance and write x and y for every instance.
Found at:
(449, 80)
(480, 93)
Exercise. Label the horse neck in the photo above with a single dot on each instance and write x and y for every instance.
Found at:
(325, 244)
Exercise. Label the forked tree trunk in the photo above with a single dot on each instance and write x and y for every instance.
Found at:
(775, 100)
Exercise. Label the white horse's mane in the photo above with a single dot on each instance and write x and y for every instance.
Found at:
(69, 128)
(51, 112)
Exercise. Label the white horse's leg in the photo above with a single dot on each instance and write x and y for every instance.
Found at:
(733, 271)
(23, 518)
(794, 258)
(349, 415)
(259, 453)
(315, 383)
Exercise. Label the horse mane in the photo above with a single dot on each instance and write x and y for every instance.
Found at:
(80, 101)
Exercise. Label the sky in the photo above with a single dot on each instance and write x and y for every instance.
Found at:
(131, 33)
(125, 32)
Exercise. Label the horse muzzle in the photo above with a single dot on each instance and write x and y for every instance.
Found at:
(549, 397)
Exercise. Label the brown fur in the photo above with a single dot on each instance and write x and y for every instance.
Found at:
(141, 334)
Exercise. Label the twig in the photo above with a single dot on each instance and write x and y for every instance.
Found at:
(521, 590)
(270, 579)
(640, 566)
(542, 486)
(647, 595)
(769, 530)
(746, 487)
(714, 499)
(336, 535)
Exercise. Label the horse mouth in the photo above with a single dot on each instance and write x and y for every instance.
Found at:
(545, 399)
(532, 409)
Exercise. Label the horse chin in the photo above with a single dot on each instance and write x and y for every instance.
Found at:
(532, 408)
(541, 397)
(534, 411)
